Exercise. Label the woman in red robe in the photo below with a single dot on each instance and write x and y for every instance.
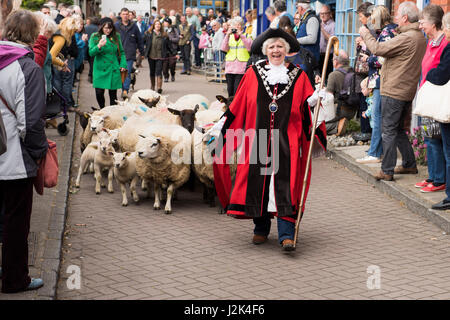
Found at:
(269, 124)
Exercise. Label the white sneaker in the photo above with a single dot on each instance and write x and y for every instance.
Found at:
(368, 159)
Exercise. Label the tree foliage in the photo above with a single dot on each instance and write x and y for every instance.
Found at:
(36, 4)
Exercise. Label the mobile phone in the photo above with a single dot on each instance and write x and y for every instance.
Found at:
(104, 37)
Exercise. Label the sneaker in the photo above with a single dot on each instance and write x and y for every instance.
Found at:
(443, 205)
(423, 183)
(368, 159)
(432, 188)
(35, 284)
(183, 72)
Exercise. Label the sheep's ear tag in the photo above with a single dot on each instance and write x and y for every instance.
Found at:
(86, 115)
(143, 108)
(125, 118)
(204, 105)
(210, 141)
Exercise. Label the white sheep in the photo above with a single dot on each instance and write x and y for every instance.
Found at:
(149, 97)
(97, 153)
(135, 124)
(190, 101)
(164, 156)
(125, 172)
(202, 159)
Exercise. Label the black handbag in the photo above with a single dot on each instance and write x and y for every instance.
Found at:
(53, 104)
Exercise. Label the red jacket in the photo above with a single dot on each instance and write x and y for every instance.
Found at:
(40, 50)
(432, 56)
(248, 196)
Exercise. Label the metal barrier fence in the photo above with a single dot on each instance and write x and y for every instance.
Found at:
(213, 66)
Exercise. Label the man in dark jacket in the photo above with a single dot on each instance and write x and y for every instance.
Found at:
(91, 27)
(131, 41)
(174, 37)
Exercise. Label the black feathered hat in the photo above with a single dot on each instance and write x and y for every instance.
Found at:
(274, 33)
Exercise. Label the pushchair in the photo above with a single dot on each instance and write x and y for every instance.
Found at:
(56, 109)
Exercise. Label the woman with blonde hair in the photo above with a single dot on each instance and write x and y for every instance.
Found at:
(64, 50)
(379, 22)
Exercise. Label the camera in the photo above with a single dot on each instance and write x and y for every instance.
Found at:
(233, 30)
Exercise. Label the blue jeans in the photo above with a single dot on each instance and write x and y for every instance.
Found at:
(376, 143)
(127, 82)
(63, 83)
(286, 229)
(445, 132)
(436, 160)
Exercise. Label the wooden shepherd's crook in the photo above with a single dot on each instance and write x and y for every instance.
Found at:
(332, 41)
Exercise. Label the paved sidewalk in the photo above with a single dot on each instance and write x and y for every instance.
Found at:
(349, 230)
(401, 189)
(47, 221)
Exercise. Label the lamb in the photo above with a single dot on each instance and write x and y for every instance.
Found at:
(125, 172)
(98, 153)
(164, 155)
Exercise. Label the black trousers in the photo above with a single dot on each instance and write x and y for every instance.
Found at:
(169, 65)
(233, 81)
(16, 201)
(393, 133)
(100, 95)
(186, 56)
(156, 67)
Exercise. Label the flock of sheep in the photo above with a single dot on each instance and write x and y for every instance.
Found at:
(151, 140)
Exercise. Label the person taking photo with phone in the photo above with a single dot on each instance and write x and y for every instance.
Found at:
(105, 46)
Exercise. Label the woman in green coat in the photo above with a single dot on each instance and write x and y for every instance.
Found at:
(105, 47)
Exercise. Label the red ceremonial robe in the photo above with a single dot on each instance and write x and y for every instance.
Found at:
(249, 113)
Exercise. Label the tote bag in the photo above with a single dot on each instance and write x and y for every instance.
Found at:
(433, 102)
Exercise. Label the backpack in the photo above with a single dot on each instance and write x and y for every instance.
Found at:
(349, 94)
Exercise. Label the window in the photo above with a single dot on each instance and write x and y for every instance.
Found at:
(347, 25)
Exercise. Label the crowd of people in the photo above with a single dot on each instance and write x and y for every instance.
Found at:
(395, 56)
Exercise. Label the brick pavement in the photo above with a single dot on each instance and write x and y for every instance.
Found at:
(195, 253)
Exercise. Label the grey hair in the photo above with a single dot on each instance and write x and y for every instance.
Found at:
(342, 58)
(280, 5)
(305, 6)
(446, 20)
(270, 11)
(237, 20)
(51, 24)
(410, 10)
(272, 40)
